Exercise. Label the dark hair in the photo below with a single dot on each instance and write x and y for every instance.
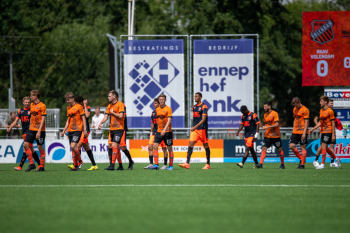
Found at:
(200, 94)
(156, 100)
(243, 108)
(79, 99)
(35, 92)
(113, 92)
(268, 103)
(325, 99)
(295, 100)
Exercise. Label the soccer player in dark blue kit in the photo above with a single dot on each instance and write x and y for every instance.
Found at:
(24, 115)
(250, 122)
(199, 131)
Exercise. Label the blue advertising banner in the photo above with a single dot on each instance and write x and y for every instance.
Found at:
(151, 68)
(235, 149)
(223, 71)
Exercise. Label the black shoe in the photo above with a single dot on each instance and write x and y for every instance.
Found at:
(110, 168)
(120, 168)
(40, 169)
(74, 169)
(131, 165)
(282, 166)
(299, 162)
(31, 167)
(258, 165)
(301, 167)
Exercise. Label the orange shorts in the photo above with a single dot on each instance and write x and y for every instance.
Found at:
(122, 141)
(24, 137)
(84, 140)
(151, 142)
(199, 134)
(249, 141)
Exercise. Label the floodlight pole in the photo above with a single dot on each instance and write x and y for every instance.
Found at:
(114, 42)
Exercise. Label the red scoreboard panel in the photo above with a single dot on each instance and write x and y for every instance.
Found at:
(326, 48)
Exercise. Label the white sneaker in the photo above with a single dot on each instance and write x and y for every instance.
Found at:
(337, 162)
(333, 165)
(320, 167)
(148, 166)
(164, 167)
(316, 164)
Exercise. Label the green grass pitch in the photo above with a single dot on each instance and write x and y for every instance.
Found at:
(182, 200)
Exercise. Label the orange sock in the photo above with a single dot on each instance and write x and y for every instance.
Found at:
(331, 153)
(303, 157)
(119, 156)
(323, 152)
(74, 158)
(114, 154)
(79, 157)
(171, 158)
(282, 156)
(262, 157)
(155, 156)
(42, 158)
(29, 155)
(296, 152)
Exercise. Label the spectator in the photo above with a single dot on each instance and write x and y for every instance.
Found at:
(14, 132)
(96, 119)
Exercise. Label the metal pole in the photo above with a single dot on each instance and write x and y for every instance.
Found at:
(132, 18)
(188, 83)
(129, 18)
(11, 78)
(121, 67)
(257, 75)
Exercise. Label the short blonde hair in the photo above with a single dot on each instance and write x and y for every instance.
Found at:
(69, 95)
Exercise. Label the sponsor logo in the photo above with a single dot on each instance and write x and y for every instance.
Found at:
(57, 151)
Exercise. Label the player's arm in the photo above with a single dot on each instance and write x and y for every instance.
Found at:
(316, 120)
(166, 126)
(239, 129)
(152, 128)
(333, 130)
(65, 128)
(271, 126)
(40, 127)
(12, 125)
(84, 123)
(117, 115)
(305, 128)
(204, 117)
(316, 126)
(87, 112)
(105, 118)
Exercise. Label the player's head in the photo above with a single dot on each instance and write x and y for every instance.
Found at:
(162, 99)
(113, 96)
(198, 97)
(296, 102)
(244, 110)
(79, 100)
(26, 102)
(324, 100)
(97, 110)
(69, 96)
(13, 115)
(330, 104)
(156, 103)
(267, 106)
(34, 95)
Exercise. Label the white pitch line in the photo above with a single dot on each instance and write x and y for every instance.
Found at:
(171, 185)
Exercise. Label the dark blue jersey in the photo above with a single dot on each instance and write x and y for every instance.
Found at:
(125, 120)
(24, 116)
(154, 120)
(198, 112)
(249, 122)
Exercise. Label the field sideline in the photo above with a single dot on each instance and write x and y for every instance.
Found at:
(223, 199)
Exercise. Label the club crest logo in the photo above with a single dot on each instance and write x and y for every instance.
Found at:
(322, 31)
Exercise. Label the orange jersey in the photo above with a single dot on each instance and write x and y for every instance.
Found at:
(116, 123)
(300, 115)
(162, 115)
(270, 119)
(326, 118)
(36, 111)
(75, 120)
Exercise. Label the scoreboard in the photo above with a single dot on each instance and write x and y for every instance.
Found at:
(326, 48)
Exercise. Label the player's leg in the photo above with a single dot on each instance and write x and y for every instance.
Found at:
(23, 159)
(248, 144)
(126, 151)
(267, 143)
(110, 150)
(323, 153)
(171, 154)
(294, 140)
(330, 151)
(157, 139)
(34, 154)
(278, 144)
(194, 136)
(29, 139)
(207, 154)
(91, 156)
(165, 152)
(150, 152)
(75, 151)
(40, 142)
(318, 153)
(255, 158)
